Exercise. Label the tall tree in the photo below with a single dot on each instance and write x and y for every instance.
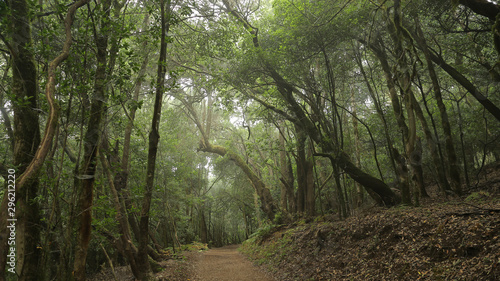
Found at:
(26, 137)
(29, 151)
(267, 201)
(154, 136)
(300, 117)
(87, 172)
(449, 143)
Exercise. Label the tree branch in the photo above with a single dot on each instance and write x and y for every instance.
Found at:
(51, 124)
(273, 108)
(482, 7)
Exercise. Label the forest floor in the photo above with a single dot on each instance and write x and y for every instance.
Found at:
(443, 239)
(439, 242)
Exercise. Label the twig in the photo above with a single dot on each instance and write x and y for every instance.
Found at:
(109, 261)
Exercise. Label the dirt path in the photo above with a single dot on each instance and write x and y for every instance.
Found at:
(228, 264)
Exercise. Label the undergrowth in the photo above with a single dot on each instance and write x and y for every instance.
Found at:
(276, 248)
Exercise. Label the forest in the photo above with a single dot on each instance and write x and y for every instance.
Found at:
(130, 129)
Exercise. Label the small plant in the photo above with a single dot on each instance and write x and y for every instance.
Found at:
(263, 231)
(478, 196)
(278, 218)
(195, 246)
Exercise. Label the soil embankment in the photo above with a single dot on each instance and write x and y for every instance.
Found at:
(453, 241)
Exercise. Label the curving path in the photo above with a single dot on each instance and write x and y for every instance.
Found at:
(227, 264)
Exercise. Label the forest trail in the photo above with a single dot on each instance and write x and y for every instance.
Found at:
(227, 263)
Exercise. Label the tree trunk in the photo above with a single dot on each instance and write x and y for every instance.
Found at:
(434, 145)
(375, 186)
(121, 178)
(462, 142)
(305, 177)
(292, 207)
(310, 193)
(154, 138)
(301, 162)
(401, 169)
(128, 248)
(462, 80)
(449, 144)
(288, 201)
(91, 143)
(300, 118)
(283, 175)
(417, 171)
(432, 148)
(358, 200)
(203, 226)
(26, 142)
(267, 202)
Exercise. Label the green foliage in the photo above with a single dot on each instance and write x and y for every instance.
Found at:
(478, 197)
(312, 45)
(263, 232)
(106, 218)
(278, 218)
(271, 252)
(195, 247)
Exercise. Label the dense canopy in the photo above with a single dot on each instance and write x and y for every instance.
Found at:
(129, 127)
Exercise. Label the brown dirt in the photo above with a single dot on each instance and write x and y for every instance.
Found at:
(217, 264)
(452, 241)
(227, 263)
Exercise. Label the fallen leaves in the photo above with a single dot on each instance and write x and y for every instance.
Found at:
(398, 244)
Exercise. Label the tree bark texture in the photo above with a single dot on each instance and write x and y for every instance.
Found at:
(154, 139)
(26, 141)
(29, 150)
(91, 143)
(449, 143)
(401, 169)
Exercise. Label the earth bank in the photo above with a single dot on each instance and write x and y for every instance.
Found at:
(452, 241)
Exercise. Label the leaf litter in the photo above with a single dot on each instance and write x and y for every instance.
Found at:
(451, 241)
